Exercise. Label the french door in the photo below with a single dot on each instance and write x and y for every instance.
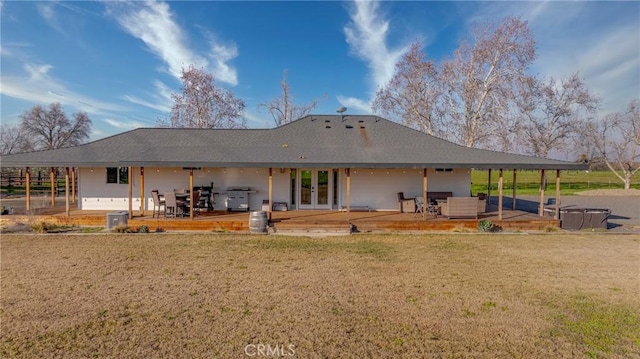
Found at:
(315, 189)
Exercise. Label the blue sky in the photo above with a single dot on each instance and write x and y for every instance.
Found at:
(120, 61)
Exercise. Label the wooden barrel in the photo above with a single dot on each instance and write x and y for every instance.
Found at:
(258, 222)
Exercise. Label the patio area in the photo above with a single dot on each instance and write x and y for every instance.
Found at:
(282, 221)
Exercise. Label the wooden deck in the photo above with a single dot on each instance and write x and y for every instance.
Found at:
(291, 221)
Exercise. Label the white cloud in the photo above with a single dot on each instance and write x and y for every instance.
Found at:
(366, 35)
(356, 104)
(125, 125)
(37, 85)
(47, 12)
(161, 99)
(154, 24)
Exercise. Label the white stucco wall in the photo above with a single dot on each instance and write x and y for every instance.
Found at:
(96, 194)
(376, 188)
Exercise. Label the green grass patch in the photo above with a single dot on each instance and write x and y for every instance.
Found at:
(528, 182)
(599, 327)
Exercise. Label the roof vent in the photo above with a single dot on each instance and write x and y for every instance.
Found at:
(327, 121)
(348, 126)
(360, 121)
(327, 126)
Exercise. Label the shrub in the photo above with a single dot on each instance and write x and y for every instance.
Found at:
(143, 229)
(487, 226)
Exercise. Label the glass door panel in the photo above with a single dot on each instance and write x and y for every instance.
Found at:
(306, 187)
(322, 192)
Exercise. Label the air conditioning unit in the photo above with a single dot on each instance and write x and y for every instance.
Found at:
(114, 219)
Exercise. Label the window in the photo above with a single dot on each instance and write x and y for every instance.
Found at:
(118, 175)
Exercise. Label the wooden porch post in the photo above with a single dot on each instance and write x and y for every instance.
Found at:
(514, 190)
(28, 188)
(130, 169)
(191, 204)
(52, 175)
(66, 192)
(142, 191)
(500, 195)
(542, 183)
(73, 185)
(424, 193)
(348, 171)
(557, 214)
(270, 192)
(489, 190)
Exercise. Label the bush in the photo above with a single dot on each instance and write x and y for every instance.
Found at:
(486, 225)
(143, 229)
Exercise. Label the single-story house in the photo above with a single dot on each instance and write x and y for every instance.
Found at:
(329, 162)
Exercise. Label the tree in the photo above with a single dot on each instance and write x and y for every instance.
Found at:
(202, 104)
(50, 129)
(412, 93)
(479, 80)
(553, 112)
(283, 110)
(616, 141)
(12, 139)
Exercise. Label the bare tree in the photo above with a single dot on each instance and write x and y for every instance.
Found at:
(49, 129)
(412, 93)
(616, 141)
(479, 80)
(203, 104)
(12, 139)
(283, 110)
(552, 112)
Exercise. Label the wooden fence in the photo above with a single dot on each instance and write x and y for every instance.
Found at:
(14, 182)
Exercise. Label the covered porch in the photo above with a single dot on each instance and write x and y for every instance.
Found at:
(298, 221)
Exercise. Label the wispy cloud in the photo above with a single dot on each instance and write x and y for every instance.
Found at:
(126, 125)
(161, 98)
(154, 24)
(366, 35)
(37, 85)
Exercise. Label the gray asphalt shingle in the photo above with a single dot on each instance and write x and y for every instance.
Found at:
(312, 141)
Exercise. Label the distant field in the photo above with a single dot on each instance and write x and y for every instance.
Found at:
(379, 296)
(528, 182)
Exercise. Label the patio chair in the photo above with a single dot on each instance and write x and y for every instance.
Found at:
(419, 201)
(157, 203)
(406, 204)
(195, 207)
(173, 207)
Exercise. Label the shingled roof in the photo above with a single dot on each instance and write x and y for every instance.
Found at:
(333, 141)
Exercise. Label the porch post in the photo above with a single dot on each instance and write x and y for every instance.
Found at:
(348, 171)
(66, 191)
(28, 188)
(541, 210)
(73, 185)
(557, 214)
(270, 191)
(489, 190)
(130, 169)
(424, 193)
(514, 190)
(52, 175)
(191, 204)
(142, 191)
(500, 195)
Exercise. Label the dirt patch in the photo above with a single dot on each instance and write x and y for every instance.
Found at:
(179, 295)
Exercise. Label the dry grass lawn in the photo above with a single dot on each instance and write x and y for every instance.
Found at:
(376, 296)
